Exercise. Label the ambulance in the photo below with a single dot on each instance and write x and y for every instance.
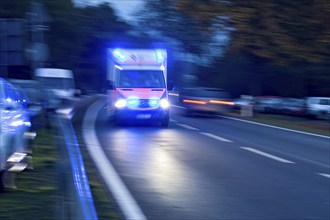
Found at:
(137, 83)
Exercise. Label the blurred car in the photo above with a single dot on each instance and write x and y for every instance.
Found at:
(318, 107)
(266, 104)
(204, 100)
(241, 102)
(292, 106)
(173, 95)
(30, 92)
(14, 127)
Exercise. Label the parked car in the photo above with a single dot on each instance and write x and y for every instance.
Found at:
(293, 107)
(318, 107)
(239, 103)
(266, 104)
(30, 91)
(14, 127)
(205, 100)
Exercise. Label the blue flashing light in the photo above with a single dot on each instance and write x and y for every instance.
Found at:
(119, 54)
(160, 56)
(133, 102)
(154, 102)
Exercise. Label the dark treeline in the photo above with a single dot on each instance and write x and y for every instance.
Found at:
(257, 47)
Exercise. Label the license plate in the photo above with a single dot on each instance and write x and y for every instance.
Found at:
(143, 116)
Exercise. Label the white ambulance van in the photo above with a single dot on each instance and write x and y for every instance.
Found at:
(138, 79)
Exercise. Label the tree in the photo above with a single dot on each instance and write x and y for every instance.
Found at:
(189, 44)
(97, 28)
(279, 30)
(279, 39)
(78, 37)
(13, 9)
(162, 20)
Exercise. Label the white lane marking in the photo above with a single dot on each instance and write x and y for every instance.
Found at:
(125, 200)
(267, 155)
(172, 120)
(216, 137)
(324, 174)
(187, 126)
(272, 126)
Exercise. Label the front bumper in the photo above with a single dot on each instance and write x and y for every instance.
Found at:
(134, 114)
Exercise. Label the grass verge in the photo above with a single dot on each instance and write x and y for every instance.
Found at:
(36, 195)
(105, 206)
(36, 189)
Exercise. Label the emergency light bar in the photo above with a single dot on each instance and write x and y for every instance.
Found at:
(160, 56)
(138, 57)
(119, 54)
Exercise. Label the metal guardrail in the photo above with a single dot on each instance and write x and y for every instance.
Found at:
(75, 199)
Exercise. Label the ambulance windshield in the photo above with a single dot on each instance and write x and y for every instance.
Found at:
(141, 79)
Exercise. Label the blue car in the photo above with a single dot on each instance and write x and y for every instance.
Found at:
(14, 131)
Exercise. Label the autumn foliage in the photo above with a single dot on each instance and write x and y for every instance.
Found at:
(279, 30)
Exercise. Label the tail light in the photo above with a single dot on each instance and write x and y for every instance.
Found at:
(221, 102)
(194, 101)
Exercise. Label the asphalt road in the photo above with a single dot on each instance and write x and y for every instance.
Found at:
(216, 168)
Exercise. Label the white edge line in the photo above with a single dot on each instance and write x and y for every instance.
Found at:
(325, 175)
(215, 137)
(172, 120)
(267, 155)
(272, 126)
(125, 200)
(187, 126)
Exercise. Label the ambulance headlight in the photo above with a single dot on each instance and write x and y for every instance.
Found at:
(164, 103)
(154, 102)
(121, 103)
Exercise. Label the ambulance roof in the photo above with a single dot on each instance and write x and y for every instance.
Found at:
(138, 56)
